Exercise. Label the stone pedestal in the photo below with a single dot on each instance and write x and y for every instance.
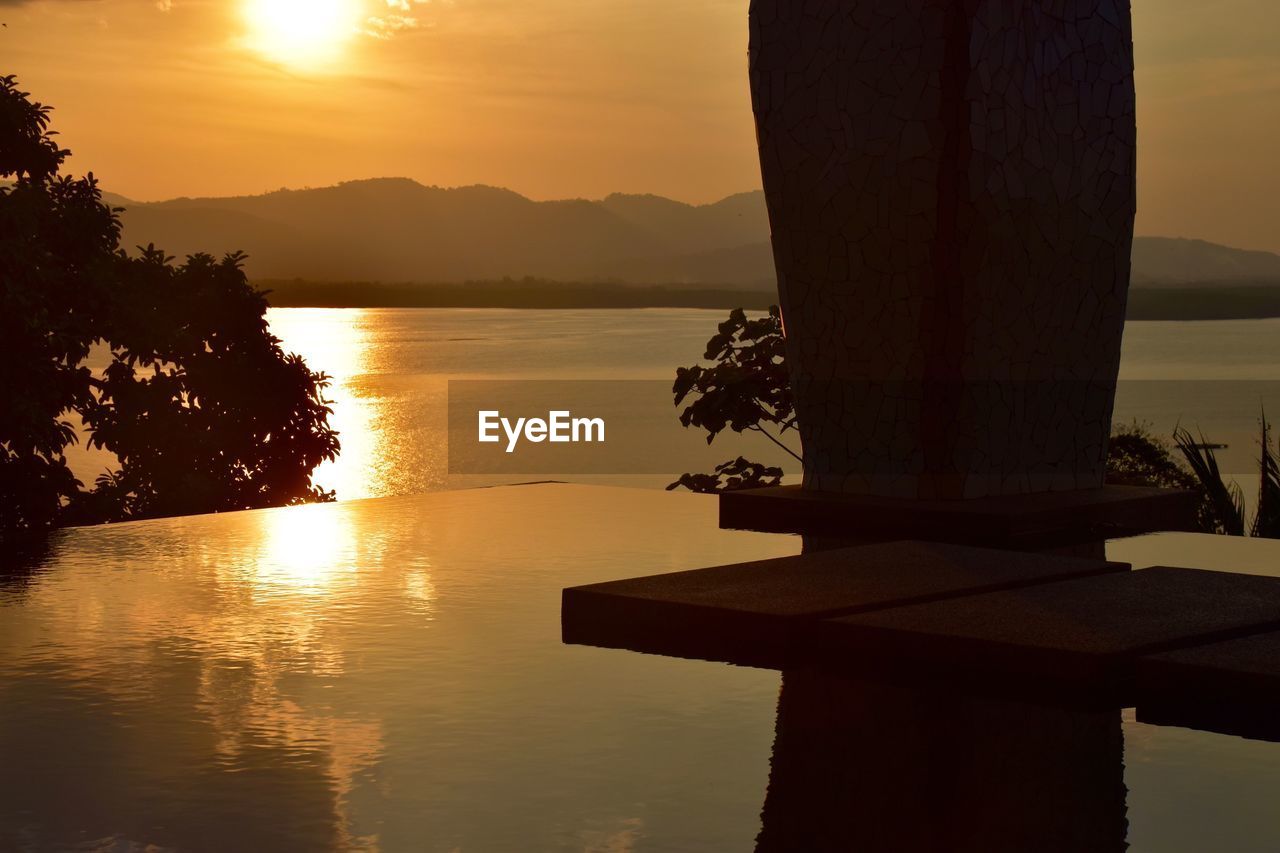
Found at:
(951, 191)
(1021, 522)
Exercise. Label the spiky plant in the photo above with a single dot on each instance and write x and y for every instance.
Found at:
(1266, 523)
(1225, 500)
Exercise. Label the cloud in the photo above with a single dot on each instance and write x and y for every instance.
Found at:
(400, 17)
(386, 26)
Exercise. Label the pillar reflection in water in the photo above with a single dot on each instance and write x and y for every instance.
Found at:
(867, 766)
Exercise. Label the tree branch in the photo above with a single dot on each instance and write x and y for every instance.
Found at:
(769, 436)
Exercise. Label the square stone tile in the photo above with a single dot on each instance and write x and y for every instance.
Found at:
(747, 613)
(1090, 630)
(1231, 687)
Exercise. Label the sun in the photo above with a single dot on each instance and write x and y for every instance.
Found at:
(304, 33)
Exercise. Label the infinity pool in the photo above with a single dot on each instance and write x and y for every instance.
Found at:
(388, 675)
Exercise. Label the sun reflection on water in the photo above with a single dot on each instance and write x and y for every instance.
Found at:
(306, 551)
(351, 676)
(338, 343)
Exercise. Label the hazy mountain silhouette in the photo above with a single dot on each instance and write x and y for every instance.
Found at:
(397, 230)
(394, 229)
(1165, 261)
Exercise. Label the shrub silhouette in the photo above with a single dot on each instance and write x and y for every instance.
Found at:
(199, 403)
(1223, 509)
(746, 388)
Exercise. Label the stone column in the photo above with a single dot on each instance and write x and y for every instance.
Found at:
(950, 185)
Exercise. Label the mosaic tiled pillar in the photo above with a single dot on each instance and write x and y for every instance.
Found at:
(951, 190)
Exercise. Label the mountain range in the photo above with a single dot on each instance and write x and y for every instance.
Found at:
(397, 230)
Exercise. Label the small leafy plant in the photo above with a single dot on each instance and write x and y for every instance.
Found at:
(746, 389)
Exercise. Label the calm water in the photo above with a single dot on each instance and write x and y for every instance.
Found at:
(388, 675)
(391, 368)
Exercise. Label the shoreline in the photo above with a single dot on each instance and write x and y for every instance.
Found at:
(1166, 304)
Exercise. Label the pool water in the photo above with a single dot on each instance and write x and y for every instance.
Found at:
(388, 675)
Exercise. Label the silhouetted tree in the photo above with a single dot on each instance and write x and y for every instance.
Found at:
(201, 406)
(57, 244)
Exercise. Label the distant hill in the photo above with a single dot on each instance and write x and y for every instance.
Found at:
(397, 230)
(1165, 261)
(394, 229)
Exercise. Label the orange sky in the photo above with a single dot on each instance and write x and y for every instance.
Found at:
(557, 98)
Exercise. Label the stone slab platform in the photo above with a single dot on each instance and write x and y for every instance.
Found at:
(1231, 687)
(752, 613)
(1008, 521)
(1084, 635)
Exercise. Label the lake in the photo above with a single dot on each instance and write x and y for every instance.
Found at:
(391, 368)
(388, 674)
